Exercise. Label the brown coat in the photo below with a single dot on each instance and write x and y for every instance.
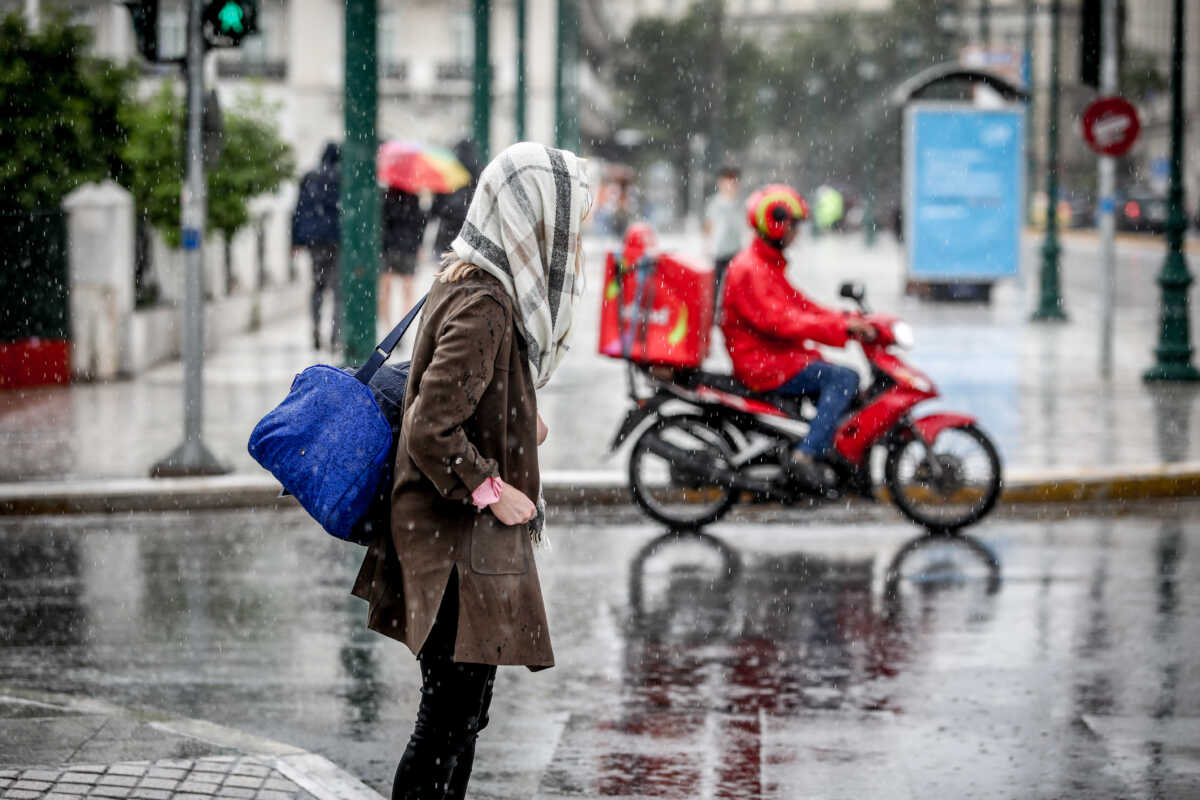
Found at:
(469, 413)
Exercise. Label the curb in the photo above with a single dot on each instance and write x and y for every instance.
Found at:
(563, 489)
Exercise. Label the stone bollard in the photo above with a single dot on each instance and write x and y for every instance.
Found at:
(100, 232)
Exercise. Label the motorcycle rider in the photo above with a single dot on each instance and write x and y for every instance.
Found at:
(768, 325)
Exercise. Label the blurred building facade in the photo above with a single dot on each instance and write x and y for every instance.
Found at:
(425, 57)
(1147, 47)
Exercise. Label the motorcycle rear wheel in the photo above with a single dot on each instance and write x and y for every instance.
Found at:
(965, 489)
(678, 494)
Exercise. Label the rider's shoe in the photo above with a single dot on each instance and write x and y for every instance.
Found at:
(806, 471)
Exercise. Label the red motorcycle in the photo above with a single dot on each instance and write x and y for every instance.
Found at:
(711, 440)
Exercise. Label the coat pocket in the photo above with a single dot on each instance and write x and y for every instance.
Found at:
(496, 548)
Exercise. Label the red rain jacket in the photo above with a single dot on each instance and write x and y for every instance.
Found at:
(767, 322)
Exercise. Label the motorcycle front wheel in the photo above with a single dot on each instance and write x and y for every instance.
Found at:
(680, 471)
(953, 483)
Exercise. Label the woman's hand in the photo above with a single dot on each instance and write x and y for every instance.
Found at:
(513, 507)
(542, 430)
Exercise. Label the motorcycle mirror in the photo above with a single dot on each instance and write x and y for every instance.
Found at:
(853, 291)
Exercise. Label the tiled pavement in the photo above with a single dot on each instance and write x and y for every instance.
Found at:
(237, 777)
(63, 747)
(234, 777)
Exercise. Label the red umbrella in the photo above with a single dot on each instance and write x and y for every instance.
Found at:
(415, 167)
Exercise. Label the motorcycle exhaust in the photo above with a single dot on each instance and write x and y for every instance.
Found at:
(691, 461)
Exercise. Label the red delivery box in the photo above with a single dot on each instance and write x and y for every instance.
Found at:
(657, 307)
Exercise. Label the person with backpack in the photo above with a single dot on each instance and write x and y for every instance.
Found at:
(316, 225)
(455, 577)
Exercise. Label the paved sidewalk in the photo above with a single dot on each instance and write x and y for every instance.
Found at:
(64, 748)
(1036, 388)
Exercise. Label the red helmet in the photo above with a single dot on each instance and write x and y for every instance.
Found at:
(772, 210)
(639, 240)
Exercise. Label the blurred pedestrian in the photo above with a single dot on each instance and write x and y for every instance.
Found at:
(403, 230)
(724, 228)
(316, 226)
(455, 579)
(451, 209)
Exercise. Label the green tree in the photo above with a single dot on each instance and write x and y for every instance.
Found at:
(687, 76)
(61, 111)
(154, 155)
(254, 160)
(831, 83)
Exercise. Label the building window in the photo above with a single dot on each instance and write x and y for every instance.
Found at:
(462, 32)
(392, 64)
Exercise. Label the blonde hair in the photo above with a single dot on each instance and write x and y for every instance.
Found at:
(454, 268)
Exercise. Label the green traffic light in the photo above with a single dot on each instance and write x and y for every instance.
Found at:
(232, 18)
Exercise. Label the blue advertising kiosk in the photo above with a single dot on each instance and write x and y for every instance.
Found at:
(964, 185)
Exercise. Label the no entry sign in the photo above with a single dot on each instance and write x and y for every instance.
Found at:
(1111, 126)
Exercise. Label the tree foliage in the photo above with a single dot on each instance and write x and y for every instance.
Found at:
(61, 111)
(254, 160)
(819, 91)
(687, 76)
(832, 82)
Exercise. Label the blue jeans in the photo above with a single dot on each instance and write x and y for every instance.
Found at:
(835, 388)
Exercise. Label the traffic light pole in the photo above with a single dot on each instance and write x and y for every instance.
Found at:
(192, 457)
(1174, 351)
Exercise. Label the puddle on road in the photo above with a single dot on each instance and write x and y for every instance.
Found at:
(750, 663)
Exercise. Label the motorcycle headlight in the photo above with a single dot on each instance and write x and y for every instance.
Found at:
(902, 332)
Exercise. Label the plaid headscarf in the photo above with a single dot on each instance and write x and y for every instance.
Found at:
(523, 228)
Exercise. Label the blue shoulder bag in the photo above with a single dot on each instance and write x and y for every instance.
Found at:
(332, 441)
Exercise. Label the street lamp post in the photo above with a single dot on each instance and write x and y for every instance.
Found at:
(1050, 304)
(359, 188)
(521, 70)
(566, 122)
(481, 116)
(1174, 351)
(1027, 69)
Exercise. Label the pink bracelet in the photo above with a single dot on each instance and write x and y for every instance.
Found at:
(486, 493)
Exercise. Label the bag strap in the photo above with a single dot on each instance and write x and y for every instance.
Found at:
(385, 348)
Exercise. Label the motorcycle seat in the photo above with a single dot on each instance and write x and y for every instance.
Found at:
(731, 385)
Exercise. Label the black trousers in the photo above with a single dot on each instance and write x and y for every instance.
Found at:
(719, 267)
(326, 275)
(454, 705)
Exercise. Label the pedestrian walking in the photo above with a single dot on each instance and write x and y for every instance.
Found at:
(455, 579)
(316, 226)
(724, 228)
(404, 223)
(451, 209)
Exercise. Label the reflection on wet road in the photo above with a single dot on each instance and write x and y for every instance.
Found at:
(1039, 659)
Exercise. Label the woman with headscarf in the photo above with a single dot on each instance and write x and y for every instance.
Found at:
(456, 580)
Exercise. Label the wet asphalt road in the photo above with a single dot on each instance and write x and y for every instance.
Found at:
(1044, 658)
